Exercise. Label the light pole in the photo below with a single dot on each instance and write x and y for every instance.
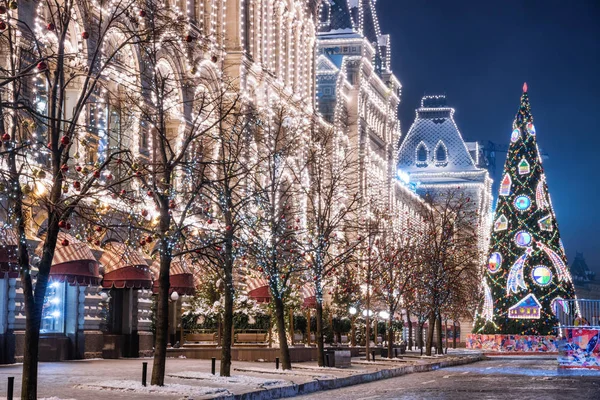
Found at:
(352, 312)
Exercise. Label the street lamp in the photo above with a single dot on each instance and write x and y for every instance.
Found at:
(352, 311)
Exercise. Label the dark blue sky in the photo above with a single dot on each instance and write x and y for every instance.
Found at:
(479, 53)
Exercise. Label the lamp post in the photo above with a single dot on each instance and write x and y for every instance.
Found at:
(352, 312)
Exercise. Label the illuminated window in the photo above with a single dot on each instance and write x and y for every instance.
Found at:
(422, 155)
(441, 154)
(53, 312)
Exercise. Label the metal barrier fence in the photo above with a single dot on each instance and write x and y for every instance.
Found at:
(578, 313)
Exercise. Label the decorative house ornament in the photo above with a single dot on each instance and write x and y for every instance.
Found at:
(505, 185)
(528, 308)
(501, 224)
(545, 223)
(541, 275)
(494, 263)
(522, 202)
(524, 167)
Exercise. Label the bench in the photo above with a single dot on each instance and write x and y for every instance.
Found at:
(255, 339)
(200, 339)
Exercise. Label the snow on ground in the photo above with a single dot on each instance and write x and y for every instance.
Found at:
(134, 386)
(239, 379)
(282, 372)
(54, 398)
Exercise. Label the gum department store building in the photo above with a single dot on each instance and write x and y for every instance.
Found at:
(329, 61)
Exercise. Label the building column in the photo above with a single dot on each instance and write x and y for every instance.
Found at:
(80, 333)
(8, 342)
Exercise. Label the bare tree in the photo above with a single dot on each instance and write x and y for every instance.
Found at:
(232, 160)
(394, 269)
(450, 256)
(333, 200)
(273, 223)
(48, 88)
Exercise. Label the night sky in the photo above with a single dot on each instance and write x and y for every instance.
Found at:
(479, 53)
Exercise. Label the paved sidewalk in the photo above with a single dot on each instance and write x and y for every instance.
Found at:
(191, 378)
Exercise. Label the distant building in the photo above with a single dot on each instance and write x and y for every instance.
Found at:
(433, 157)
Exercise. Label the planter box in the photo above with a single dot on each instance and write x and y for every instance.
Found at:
(338, 358)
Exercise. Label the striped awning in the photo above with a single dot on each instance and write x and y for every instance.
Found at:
(8, 252)
(181, 280)
(309, 295)
(124, 267)
(73, 262)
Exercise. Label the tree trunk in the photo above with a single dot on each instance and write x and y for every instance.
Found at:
(162, 318)
(453, 334)
(410, 331)
(227, 327)
(390, 340)
(34, 302)
(439, 343)
(319, 336)
(284, 350)
(429, 342)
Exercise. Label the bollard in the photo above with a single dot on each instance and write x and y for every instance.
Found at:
(327, 360)
(276, 362)
(10, 389)
(373, 355)
(213, 362)
(421, 351)
(144, 372)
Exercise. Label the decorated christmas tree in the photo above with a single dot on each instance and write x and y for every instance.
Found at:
(527, 274)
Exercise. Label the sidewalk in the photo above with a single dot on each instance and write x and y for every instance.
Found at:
(191, 378)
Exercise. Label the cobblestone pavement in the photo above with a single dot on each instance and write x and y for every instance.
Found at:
(523, 378)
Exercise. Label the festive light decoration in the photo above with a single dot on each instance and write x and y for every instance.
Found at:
(533, 273)
(524, 167)
(542, 275)
(522, 203)
(505, 185)
(527, 308)
(495, 262)
(501, 224)
(523, 239)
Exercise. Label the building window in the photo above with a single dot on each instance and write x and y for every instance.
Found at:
(421, 155)
(441, 154)
(53, 312)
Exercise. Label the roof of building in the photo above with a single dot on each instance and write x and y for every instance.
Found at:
(434, 143)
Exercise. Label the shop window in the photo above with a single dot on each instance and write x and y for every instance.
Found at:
(53, 312)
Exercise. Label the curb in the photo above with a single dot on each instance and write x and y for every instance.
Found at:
(337, 383)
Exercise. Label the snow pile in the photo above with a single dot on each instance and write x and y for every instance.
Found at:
(236, 380)
(283, 372)
(54, 398)
(136, 387)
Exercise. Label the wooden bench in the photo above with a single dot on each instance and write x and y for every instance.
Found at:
(254, 339)
(200, 339)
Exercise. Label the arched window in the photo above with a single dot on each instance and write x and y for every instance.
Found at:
(422, 155)
(441, 154)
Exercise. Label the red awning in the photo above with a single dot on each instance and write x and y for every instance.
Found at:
(309, 295)
(73, 263)
(124, 267)
(8, 253)
(181, 280)
(258, 289)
